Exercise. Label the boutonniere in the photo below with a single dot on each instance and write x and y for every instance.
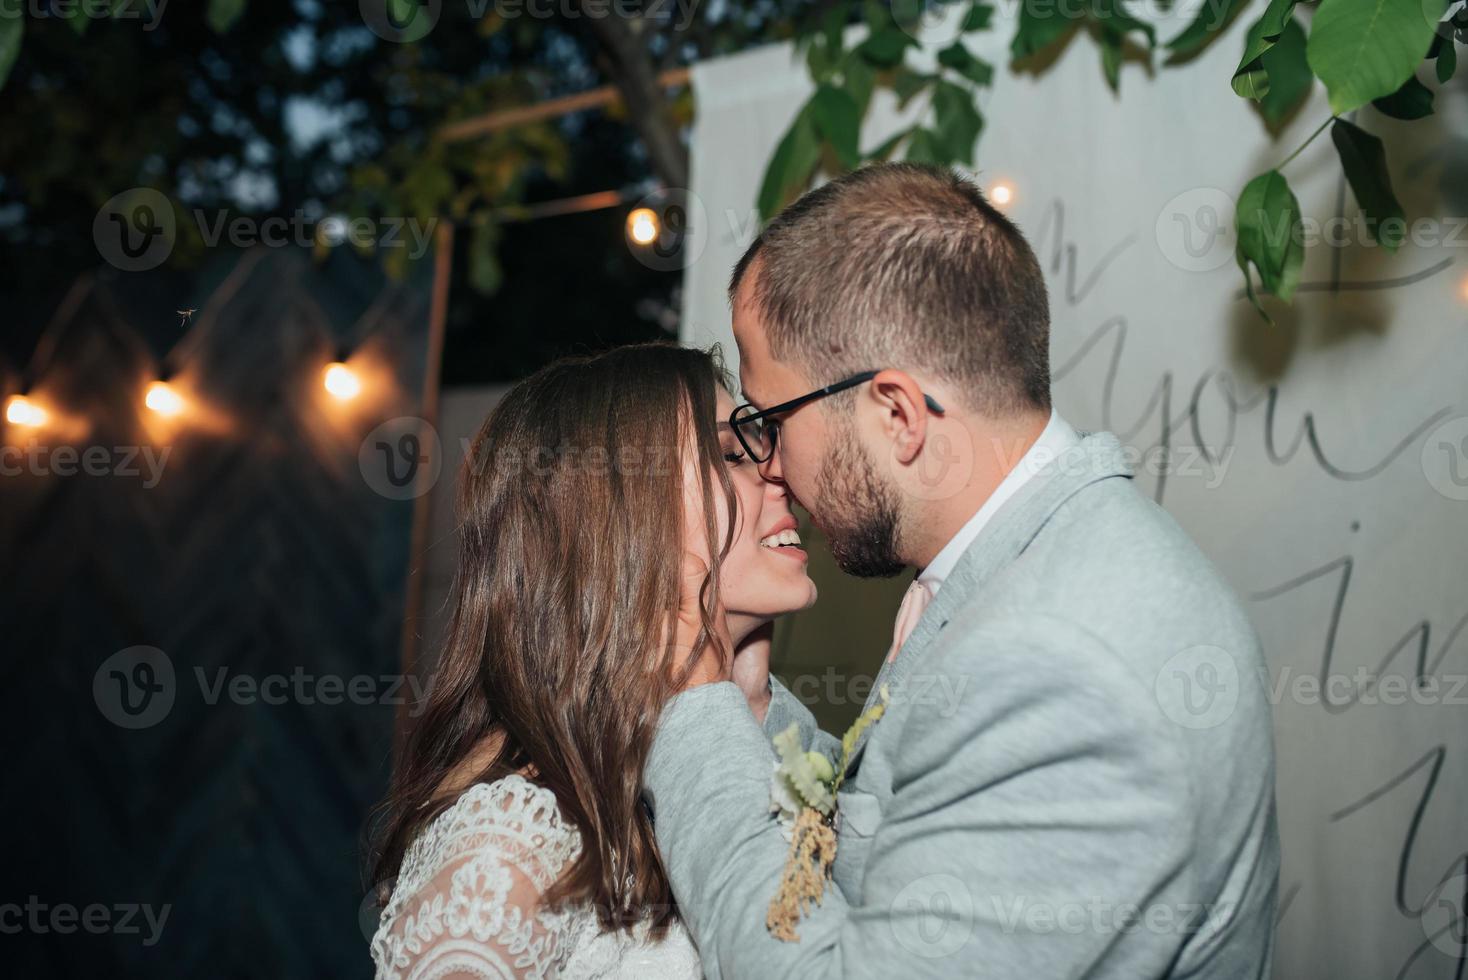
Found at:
(803, 798)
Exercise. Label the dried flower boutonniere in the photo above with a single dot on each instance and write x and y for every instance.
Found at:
(803, 796)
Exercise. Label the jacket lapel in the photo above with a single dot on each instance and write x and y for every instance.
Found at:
(1097, 457)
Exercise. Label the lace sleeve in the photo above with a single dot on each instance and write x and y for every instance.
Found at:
(467, 906)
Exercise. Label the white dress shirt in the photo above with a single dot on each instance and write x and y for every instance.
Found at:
(1056, 438)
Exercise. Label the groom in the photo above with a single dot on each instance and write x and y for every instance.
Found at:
(1099, 802)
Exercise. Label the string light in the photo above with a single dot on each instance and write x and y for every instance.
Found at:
(1001, 194)
(163, 399)
(20, 410)
(341, 381)
(642, 226)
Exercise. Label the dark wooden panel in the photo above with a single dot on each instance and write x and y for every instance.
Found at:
(262, 551)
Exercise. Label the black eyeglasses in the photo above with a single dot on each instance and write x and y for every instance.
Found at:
(757, 431)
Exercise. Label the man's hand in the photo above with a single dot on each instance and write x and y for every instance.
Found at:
(752, 669)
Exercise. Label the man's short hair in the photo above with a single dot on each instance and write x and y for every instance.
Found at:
(904, 266)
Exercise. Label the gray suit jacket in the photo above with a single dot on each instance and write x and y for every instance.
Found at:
(1074, 777)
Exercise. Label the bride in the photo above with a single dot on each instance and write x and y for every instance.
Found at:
(597, 553)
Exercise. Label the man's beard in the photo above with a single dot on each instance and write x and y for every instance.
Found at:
(860, 511)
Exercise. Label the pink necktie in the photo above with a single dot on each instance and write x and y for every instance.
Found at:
(911, 610)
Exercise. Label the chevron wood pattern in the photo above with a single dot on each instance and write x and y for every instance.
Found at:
(262, 552)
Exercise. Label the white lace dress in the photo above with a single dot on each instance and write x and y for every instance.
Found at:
(465, 903)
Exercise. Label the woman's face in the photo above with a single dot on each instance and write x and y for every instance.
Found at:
(763, 576)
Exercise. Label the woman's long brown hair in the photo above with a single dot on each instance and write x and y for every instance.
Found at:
(561, 644)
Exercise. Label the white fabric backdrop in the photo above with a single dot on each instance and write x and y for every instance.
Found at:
(1336, 498)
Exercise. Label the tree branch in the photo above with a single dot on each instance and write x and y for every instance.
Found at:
(629, 64)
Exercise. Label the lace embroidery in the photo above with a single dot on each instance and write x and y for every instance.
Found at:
(466, 902)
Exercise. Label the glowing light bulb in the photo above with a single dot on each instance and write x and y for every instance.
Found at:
(342, 381)
(20, 410)
(642, 226)
(1001, 194)
(163, 399)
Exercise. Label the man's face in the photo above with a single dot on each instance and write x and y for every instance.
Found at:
(819, 455)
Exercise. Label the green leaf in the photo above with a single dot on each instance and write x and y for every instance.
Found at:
(906, 83)
(11, 29)
(1446, 58)
(222, 14)
(1110, 42)
(877, 15)
(884, 48)
(859, 80)
(819, 61)
(978, 17)
(961, 60)
(955, 56)
(1205, 27)
(1111, 15)
(800, 775)
(865, 720)
(957, 121)
(884, 151)
(838, 118)
(790, 168)
(832, 27)
(426, 187)
(78, 19)
(1270, 233)
(485, 271)
(1288, 72)
(403, 11)
(1251, 80)
(1364, 160)
(925, 147)
(1037, 29)
(1365, 49)
(1412, 101)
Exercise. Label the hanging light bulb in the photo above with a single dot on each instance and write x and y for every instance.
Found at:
(642, 226)
(1001, 194)
(164, 399)
(341, 381)
(20, 410)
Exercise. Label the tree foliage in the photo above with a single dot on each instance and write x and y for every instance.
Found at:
(1362, 51)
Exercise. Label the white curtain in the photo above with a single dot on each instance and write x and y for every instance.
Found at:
(1322, 462)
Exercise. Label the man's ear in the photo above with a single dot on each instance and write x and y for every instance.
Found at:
(904, 413)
